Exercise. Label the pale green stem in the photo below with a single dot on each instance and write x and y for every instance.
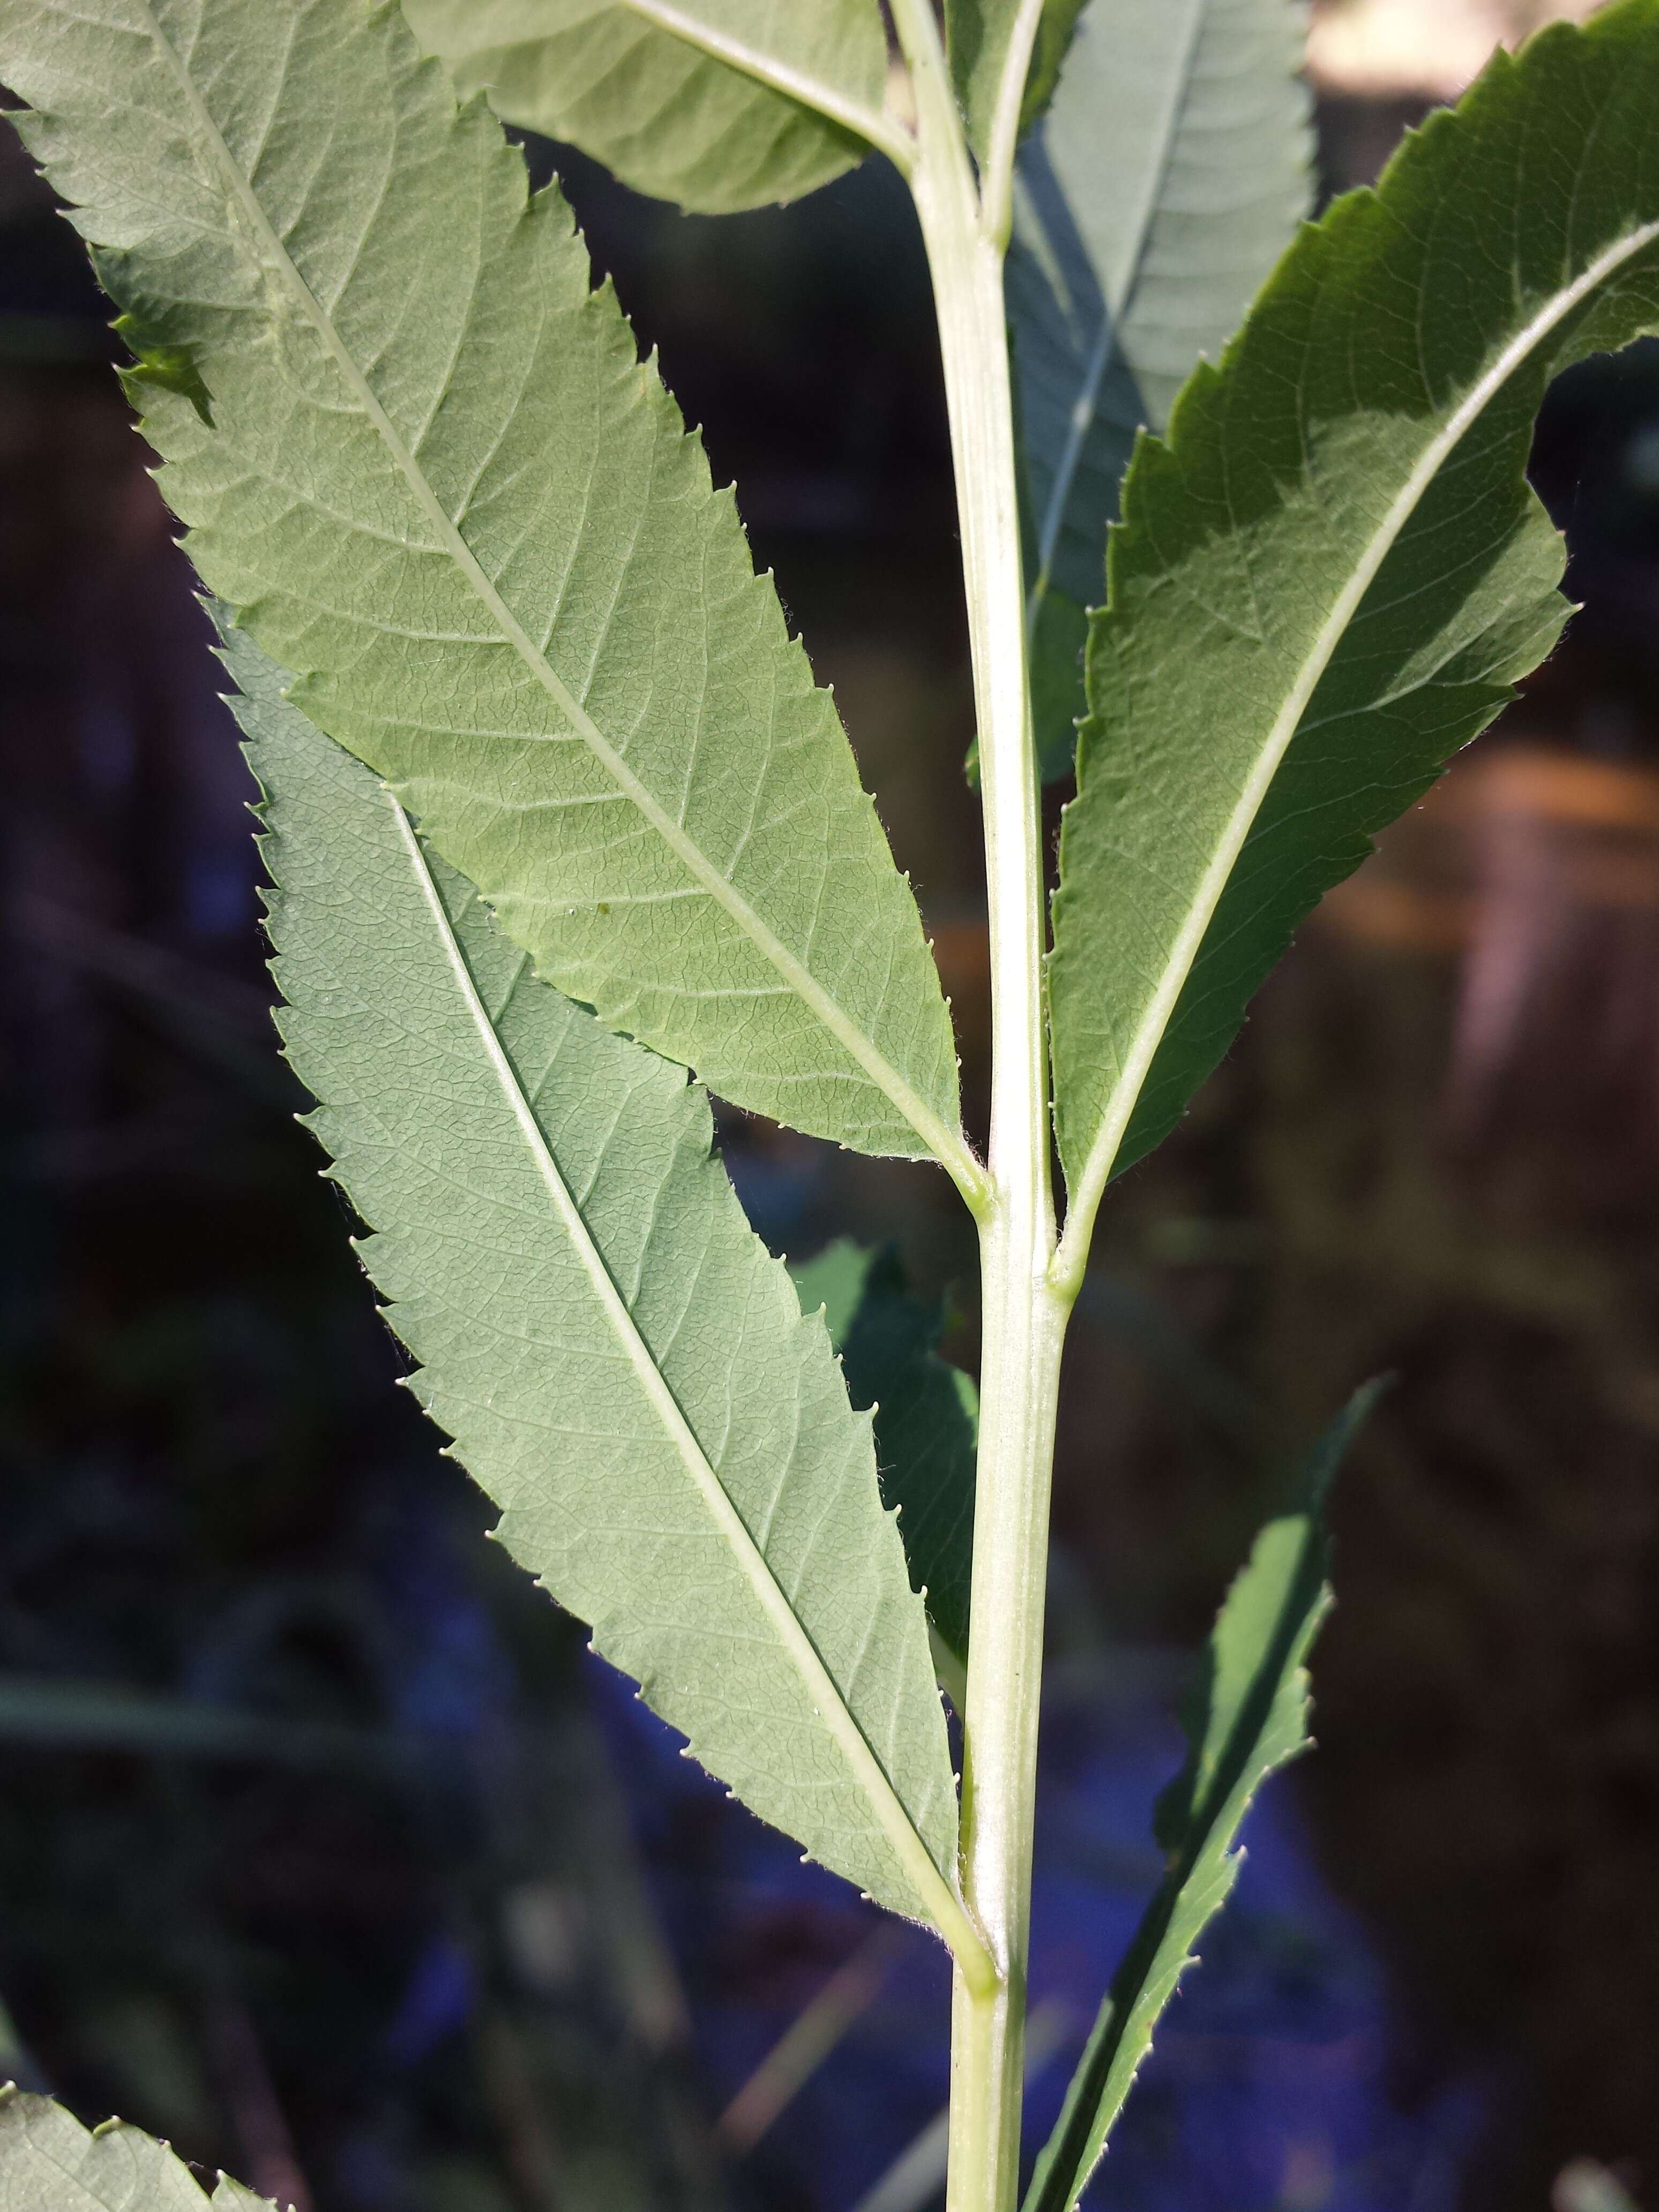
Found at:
(1024, 1314)
(997, 181)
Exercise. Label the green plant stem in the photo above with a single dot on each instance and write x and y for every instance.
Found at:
(1024, 1328)
(1024, 1314)
(997, 182)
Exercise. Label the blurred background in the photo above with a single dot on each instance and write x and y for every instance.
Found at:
(325, 1849)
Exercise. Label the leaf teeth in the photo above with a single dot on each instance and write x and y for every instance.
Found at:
(1301, 678)
(540, 1364)
(50, 2163)
(541, 644)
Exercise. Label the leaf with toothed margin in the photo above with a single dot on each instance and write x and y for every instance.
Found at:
(623, 1367)
(445, 491)
(718, 105)
(1333, 573)
(1247, 1717)
(50, 2163)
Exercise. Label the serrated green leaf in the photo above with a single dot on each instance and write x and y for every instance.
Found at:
(982, 36)
(624, 1368)
(717, 104)
(1247, 1716)
(50, 2163)
(1166, 179)
(449, 495)
(1334, 573)
(927, 1414)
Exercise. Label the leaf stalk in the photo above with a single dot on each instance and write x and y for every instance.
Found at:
(997, 174)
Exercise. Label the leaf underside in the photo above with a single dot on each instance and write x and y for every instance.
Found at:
(926, 1418)
(1247, 1716)
(623, 1367)
(50, 2163)
(443, 490)
(1333, 574)
(979, 37)
(665, 114)
(1155, 196)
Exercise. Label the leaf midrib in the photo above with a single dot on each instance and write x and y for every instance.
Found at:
(1106, 342)
(1149, 1035)
(947, 1147)
(820, 1685)
(866, 123)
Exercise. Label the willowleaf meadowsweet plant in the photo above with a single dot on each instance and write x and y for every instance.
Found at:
(553, 812)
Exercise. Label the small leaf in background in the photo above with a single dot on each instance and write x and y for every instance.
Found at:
(832, 1281)
(1165, 182)
(926, 1418)
(50, 2163)
(451, 498)
(1334, 573)
(623, 1367)
(1247, 1715)
(684, 102)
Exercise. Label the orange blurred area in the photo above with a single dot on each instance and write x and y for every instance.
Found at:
(1537, 871)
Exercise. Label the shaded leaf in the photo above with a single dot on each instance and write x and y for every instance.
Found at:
(832, 1282)
(926, 1415)
(717, 104)
(1057, 635)
(1247, 1715)
(623, 1367)
(446, 493)
(980, 37)
(1166, 179)
(1049, 51)
(1334, 573)
(50, 2163)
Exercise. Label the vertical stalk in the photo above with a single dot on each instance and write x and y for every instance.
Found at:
(1024, 1314)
